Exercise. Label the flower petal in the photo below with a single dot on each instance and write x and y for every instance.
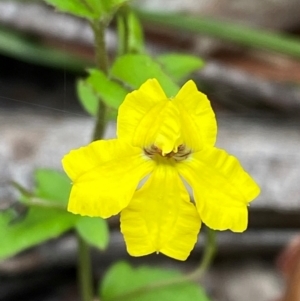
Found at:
(222, 189)
(199, 126)
(136, 105)
(148, 117)
(105, 175)
(166, 132)
(160, 217)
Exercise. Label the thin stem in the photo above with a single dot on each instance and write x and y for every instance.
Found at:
(208, 256)
(100, 47)
(100, 121)
(121, 30)
(32, 200)
(37, 202)
(102, 64)
(84, 270)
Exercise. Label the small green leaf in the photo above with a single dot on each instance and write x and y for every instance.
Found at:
(110, 92)
(87, 8)
(112, 5)
(87, 97)
(122, 282)
(90, 9)
(130, 33)
(135, 34)
(135, 69)
(121, 30)
(98, 6)
(179, 66)
(94, 231)
(52, 185)
(38, 225)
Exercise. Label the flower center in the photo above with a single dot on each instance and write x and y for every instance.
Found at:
(181, 154)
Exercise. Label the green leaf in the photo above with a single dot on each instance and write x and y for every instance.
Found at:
(98, 6)
(121, 31)
(111, 93)
(112, 5)
(122, 282)
(135, 34)
(16, 45)
(38, 225)
(94, 231)
(135, 69)
(130, 33)
(52, 185)
(87, 97)
(179, 66)
(229, 31)
(90, 9)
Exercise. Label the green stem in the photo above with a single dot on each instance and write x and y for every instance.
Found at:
(84, 270)
(36, 202)
(123, 30)
(100, 47)
(32, 200)
(208, 255)
(122, 33)
(102, 64)
(130, 32)
(101, 119)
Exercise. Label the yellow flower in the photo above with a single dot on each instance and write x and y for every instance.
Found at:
(165, 143)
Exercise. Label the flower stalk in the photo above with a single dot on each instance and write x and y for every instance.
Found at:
(101, 59)
(84, 270)
(210, 250)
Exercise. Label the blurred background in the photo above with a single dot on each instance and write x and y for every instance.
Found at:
(254, 89)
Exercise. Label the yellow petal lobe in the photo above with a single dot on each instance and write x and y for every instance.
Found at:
(147, 117)
(221, 187)
(199, 126)
(105, 175)
(136, 105)
(165, 133)
(160, 217)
